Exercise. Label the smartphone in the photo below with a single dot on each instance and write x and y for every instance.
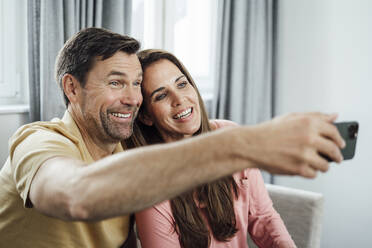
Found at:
(349, 132)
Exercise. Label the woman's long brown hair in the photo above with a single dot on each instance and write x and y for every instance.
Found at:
(214, 199)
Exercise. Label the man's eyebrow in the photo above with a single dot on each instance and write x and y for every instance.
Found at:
(157, 90)
(119, 73)
(116, 73)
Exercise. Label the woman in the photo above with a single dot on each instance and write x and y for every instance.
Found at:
(218, 214)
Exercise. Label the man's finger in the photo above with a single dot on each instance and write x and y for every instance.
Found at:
(331, 132)
(317, 162)
(329, 148)
(324, 117)
(307, 171)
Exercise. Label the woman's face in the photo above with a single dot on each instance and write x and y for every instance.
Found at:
(171, 102)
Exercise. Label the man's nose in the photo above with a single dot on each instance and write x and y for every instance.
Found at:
(131, 97)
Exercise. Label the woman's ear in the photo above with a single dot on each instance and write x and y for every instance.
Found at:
(145, 118)
(71, 87)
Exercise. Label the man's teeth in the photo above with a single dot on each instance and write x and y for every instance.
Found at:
(120, 115)
(183, 114)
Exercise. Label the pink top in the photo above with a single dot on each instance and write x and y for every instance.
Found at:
(253, 210)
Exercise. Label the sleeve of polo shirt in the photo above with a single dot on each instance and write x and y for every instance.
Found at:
(30, 150)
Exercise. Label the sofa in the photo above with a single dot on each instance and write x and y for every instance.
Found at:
(301, 212)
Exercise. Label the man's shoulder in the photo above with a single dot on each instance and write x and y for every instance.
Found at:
(43, 135)
(43, 129)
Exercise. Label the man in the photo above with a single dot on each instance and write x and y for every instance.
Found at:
(66, 182)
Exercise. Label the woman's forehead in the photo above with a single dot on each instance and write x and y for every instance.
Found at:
(160, 73)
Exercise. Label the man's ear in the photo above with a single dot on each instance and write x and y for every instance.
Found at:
(71, 87)
(145, 118)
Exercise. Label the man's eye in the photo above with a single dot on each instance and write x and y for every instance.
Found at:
(160, 97)
(137, 83)
(115, 83)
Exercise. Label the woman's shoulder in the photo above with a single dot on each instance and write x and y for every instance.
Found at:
(161, 209)
(242, 177)
(221, 123)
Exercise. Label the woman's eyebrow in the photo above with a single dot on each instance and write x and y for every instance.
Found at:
(162, 88)
(179, 78)
(158, 89)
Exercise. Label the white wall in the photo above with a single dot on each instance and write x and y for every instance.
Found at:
(10, 122)
(325, 63)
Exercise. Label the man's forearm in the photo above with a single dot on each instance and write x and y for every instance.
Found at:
(136, 179)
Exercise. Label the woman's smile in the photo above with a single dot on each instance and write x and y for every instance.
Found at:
(183, 115)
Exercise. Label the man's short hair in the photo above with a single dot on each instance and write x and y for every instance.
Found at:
(80, 52)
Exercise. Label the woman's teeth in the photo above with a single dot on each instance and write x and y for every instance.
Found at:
(120, 115)
(183, 114)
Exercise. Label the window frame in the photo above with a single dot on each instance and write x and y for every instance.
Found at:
(13, 53)
(158, 32)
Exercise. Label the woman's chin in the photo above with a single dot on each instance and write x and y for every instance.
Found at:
(189, 131)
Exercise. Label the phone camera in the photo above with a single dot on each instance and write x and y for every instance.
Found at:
(353, 131)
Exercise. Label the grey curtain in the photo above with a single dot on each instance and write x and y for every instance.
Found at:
(245, 82)
(50, 24)
(244, 90)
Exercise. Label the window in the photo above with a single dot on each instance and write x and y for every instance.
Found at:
(13, 52)
(186, 28)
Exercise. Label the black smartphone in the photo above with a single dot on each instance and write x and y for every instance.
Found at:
(349, 132)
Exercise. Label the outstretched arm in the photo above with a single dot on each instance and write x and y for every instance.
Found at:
(133, 180)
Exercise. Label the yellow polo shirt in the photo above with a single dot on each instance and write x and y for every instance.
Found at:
(23, 226)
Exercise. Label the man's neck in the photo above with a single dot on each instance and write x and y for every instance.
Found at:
(98, 148)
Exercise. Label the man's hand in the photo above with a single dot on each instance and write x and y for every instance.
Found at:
(292, 144)
(285, 244)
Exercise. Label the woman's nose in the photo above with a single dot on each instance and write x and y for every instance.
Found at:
(177, 99)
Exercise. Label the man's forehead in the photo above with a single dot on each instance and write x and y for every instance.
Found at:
(120, 64)
(119, 55)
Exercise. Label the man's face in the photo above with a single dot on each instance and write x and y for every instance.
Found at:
(112, 96)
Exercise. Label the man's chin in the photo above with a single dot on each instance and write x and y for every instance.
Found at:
(125, 134)
(118, 132)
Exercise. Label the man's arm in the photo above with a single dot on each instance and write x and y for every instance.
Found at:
(133, 180)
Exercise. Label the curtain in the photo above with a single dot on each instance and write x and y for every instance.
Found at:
(244, 90)
(50, 24)
(245, 82)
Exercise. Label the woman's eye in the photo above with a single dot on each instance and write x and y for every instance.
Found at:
(160, 97)
(182, 84)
